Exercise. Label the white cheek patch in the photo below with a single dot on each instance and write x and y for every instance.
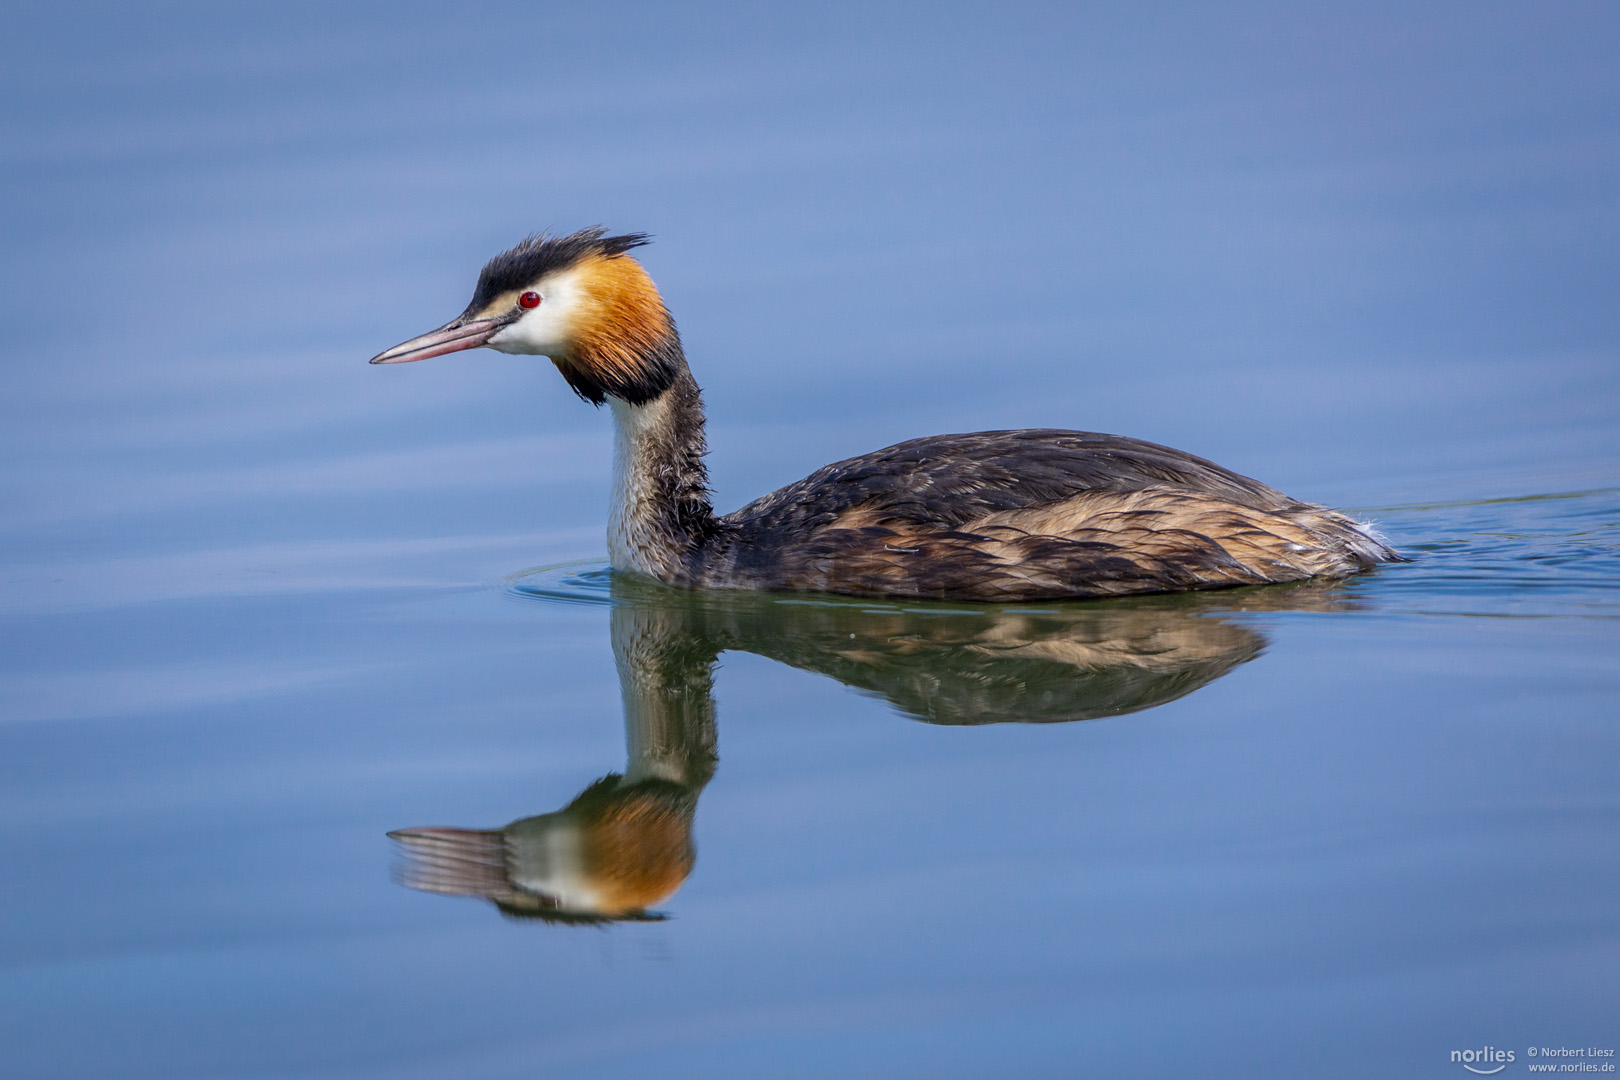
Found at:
(547, 329)
(553, 864)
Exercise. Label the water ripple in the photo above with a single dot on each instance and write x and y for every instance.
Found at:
(1536, 556)
(1539, 556)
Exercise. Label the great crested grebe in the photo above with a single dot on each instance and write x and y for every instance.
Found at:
(997, 515)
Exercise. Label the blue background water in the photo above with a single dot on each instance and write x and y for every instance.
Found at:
(255, 611)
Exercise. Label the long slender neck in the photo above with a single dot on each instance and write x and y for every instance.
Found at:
(661, 517)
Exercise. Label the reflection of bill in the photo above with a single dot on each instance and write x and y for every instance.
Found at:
(625, 843)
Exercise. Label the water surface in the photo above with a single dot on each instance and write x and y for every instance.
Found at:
(263, 605)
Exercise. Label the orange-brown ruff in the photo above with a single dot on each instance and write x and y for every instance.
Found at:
(998, 515)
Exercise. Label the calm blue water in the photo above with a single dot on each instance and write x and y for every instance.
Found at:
(263, 604)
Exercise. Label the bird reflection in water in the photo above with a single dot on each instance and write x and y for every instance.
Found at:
(625, 843)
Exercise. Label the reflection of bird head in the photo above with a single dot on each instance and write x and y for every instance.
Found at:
(612, 853)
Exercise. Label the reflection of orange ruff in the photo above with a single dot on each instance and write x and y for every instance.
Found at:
(637, 841)
(613, 852)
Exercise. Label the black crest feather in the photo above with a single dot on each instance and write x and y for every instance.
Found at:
(538, 255)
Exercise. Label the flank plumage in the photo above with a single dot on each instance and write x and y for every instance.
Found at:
(999, 515)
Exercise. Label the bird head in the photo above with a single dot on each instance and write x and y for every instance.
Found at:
(612, 853)
(581, 300)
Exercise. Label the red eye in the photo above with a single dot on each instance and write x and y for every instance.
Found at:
(529, 299)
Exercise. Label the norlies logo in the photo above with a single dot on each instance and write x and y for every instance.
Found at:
(1485, 1057)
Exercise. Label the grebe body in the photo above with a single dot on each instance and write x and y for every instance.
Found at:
(996, 515)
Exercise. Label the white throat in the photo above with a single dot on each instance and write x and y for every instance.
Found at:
(640, 435)
(548, 857)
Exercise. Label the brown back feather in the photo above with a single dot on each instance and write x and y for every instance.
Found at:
(1007, 515)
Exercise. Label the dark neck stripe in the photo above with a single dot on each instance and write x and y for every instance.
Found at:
(655, 371)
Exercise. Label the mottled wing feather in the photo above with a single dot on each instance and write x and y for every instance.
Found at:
(1021, 514)
(953, 479)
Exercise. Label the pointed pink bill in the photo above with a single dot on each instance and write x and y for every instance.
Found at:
(452, 337)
